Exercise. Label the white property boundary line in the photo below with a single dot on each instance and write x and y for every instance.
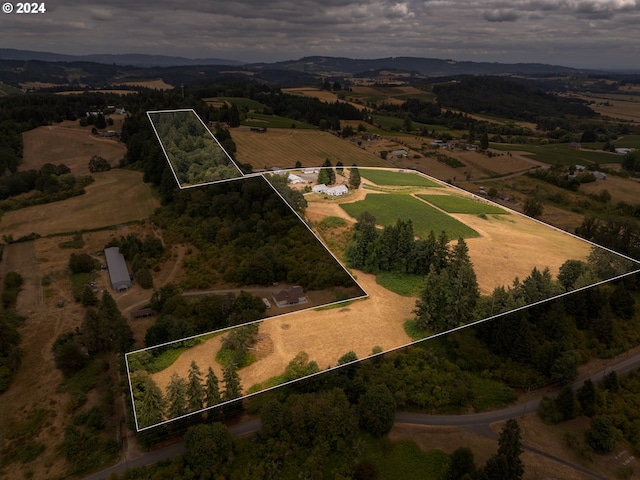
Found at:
(175, 176)
(465, 194)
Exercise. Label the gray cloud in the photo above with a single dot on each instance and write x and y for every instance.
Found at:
(500, 16)
(570, 32)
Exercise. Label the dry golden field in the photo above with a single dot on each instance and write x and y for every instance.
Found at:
(116, 196)
(157, 83)
(621, 189)
(283, 147)
(322, 95)
(622, 107)
(70, 144)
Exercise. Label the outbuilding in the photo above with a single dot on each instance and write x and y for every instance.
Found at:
(118, 271)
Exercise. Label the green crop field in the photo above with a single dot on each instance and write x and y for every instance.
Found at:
(628, 141)
(389, 208)
(561, 154)
(391, 178)
(454, 204)
(396, 125)
(273, 121)
(8, 90)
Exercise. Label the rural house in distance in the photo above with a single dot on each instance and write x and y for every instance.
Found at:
(118, 271)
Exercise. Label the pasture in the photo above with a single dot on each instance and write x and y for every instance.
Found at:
(561, 154)
(616, 106)
(70, 144)
(117, 196)
(284, 147)
(389, 208)
(455, 204)
(8, 90)
(395, 178)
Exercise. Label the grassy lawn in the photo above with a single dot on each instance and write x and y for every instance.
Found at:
(628, 141)
(390, 178)
(392, 207)
(274, 121)
(404, 284)
(453, 204)
(404, 460)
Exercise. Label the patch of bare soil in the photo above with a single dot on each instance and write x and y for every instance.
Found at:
(69, 144)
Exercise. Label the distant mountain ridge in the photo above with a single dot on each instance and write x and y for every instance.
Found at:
(423, 66)
(314, 65)
(126, 59)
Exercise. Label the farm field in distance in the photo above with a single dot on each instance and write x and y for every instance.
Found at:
(70, 144)
(284, 147)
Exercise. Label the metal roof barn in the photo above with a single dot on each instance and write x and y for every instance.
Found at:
(118, 271)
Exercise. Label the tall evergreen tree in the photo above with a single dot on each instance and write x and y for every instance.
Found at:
(195, 392)
(149, 402)
(461, 464)
(177, 396)
(354, 178)
(232, 387)
(510, 447)
(211, 389)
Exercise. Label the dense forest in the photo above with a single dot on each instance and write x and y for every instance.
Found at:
(508, 99)
(255, 237)
(194, 154)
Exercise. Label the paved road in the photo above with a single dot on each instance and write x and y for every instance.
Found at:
(477, 422)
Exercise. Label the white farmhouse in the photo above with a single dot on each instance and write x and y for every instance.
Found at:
(337, 191)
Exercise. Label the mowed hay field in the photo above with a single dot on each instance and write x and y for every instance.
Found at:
(284, 147)
(322, 95)
(70, 144)
(116, 196)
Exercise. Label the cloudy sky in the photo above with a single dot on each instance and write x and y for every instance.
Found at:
(580, 33)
